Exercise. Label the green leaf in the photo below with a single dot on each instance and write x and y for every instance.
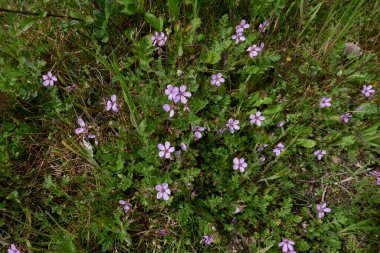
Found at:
(307, 143)
(212, 57)
(156, 23)
(174, 9)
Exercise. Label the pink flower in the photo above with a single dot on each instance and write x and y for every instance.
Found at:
(254, 50)
(286, 245)
(170, 92)
(263, 26)
(325, 102)
(165, 150)
(346, 117)
(112, 104)
(197, 131)
(163, 191)
(13, 249)
(159, 39)
(207, 239)
(242, 26)
(320, 154)
(368, 91)
(322, 209)
(377, 175)
(49, 79)
(279, 148)
(170, 109)
(238, 37)
(233, 125)
(217, 79)
(257, 118)
(181, 94)
(239, 164)
(126, 205)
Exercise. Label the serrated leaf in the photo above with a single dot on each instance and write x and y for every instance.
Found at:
(212, 57)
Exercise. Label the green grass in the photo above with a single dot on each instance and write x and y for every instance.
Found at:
(57, 195)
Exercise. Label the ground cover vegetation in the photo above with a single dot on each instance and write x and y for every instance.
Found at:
(189, 126)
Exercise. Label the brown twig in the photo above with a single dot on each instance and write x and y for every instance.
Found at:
(37, 14)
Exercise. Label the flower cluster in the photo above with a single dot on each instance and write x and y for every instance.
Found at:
(239, 32)
(159, 39)
(254, 50)
(175, 95)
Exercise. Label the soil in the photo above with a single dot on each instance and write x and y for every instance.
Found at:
(3, 100)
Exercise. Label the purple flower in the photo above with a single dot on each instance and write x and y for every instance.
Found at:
(183, 146)
(262, 159)
(242, 26)
(239, 164)
(163, 232)
(279, 148)
(325, 102)
(125, 204)
(221, 131)
(377, 175)
(254, 50)
(256, 118)
(233, 125)
(69, 89)
(286, 245)
(280, 124)
(239, 209)
(368, 91)
(207, 239)
(159, 39)
(261, 148)
(170, 92)
(263, 26)
(170, 109)
(217, 79)
(83, 129)
(322, 209)
(163, 191)
(346, 117)
(49, 79)
(197, 131)
(165, 150)
(181, 94)
(13, 249)
(320, 154)
(112, 104)
(238, 37)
